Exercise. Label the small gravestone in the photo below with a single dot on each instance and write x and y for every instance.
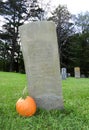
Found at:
(77, 72)
(64, 73)
(41, 58)
(82, 76)
(68, 74)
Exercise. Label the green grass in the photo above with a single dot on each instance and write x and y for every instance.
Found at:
(75, 115)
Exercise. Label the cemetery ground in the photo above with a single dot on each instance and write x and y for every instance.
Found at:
(75, 115)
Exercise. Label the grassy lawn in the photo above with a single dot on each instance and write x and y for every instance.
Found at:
(75, 115)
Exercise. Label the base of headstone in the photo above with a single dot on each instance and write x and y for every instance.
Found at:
(49, 102)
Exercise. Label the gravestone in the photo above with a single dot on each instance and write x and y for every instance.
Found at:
(41, 58)
(77, 72)
(82, 76)
(64, 73)
(68, 75)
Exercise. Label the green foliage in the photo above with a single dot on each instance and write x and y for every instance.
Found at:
(82, 22)
(76, 48)
(64, 27)
(75, 115)
(15, 13)
(78, 52)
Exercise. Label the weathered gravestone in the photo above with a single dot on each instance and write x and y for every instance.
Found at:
(77, 72)
(64, 73)
(40, 51)
(68, 74)
(82, 76)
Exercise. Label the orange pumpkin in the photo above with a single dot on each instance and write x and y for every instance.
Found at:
(26, 107)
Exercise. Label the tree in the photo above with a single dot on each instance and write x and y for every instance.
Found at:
(81, 42)
(82, 22)
(61, 17)
(36, 12)
(13, 12)
(16, 13)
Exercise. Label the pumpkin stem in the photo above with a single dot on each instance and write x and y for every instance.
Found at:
(25, 92)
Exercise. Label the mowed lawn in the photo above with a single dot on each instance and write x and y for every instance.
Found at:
(75, 115)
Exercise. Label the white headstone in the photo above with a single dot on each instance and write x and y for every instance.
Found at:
(40, 51)
(68, 74)
(64, 73)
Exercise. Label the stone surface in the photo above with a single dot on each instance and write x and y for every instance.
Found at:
(77, 72)
(83, 76)
(64, 73)
(40, 51)
(68, 75)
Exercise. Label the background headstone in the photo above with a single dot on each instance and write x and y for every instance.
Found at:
(40, 51)
(68, 75)
(77, 72)
(82, 76)
(64, 73)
